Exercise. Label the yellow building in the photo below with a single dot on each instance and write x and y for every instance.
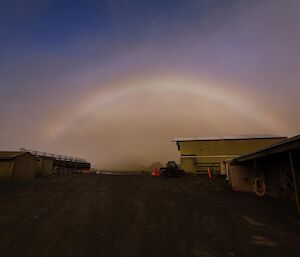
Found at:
(199, 154)
(17, 165)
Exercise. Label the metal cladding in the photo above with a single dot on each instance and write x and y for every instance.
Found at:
(198, 154)
(15, 165)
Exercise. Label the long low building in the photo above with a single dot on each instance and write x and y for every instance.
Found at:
(17, 165)
(199, 154)
(57, 164)
(27, 164)
(276, 168)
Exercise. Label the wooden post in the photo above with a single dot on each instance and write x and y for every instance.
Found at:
(255, 168)
(295, 181)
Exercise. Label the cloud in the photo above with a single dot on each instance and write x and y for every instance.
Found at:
(120, 100)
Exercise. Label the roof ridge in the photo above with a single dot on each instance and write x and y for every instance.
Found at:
(265, 136)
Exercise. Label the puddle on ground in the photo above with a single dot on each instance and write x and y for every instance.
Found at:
(253, 222)
(260, 240)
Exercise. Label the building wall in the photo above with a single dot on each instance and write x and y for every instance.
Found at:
(188, 164)
(199, 155)
(224, 147)
(6, 168)
(241, 178)
(25, 167)
(39, 167)
(45, 167)
(201, 164)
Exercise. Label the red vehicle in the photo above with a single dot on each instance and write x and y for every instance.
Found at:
(155, 173)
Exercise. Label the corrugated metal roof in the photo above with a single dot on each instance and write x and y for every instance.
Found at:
(226, 138)
(9, 154)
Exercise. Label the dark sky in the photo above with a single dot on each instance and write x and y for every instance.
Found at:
(55, 23)
(114, 81)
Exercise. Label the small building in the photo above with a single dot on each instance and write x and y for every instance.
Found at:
(277, 166)
(199, 154)
(15, 165)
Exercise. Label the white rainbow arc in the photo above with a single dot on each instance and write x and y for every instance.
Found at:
(220, 94)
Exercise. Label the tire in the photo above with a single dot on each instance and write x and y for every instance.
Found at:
(259, 187)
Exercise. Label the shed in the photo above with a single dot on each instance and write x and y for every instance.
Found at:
(198, 154)
(15, 165)
(278, 165)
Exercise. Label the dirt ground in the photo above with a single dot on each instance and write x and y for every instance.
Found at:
(102, 215)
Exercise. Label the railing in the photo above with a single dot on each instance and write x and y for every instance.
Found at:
(54, 156)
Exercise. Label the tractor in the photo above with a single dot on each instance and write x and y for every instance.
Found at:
(171, 170)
